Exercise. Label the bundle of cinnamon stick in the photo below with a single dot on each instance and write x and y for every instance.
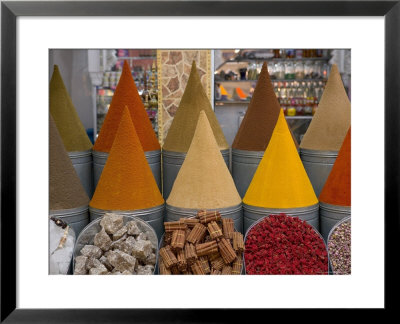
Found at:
(204, 244)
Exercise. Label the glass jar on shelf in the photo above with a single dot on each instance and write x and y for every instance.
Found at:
(325, 71)
(289, 70)
(280, 70)
(308, 70)
(252, 72)
(299, 70)
(317, 70)
(271, 70)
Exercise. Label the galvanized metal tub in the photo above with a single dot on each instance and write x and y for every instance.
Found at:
(346, 219)
(234, 212)
(99, 161)
(330, 215)
(251, 214)
(172, 162)
(153, 216)
(83, 165)
(318, 165)
(260, 220)
(244, 165)
(153, 159)
(161, 244)
(77, 218)
(86, 237)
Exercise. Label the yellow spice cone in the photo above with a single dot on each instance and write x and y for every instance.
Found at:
(126, 182)
(204, 181)
(280, 180)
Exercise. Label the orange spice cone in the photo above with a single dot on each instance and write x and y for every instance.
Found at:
(126, 182)
(335, 197)
(126, 94)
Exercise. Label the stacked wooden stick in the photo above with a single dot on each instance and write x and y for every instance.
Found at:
(204, 244)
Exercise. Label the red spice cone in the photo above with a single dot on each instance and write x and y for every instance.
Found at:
(337, 188)
(126, 182)
(126, 94)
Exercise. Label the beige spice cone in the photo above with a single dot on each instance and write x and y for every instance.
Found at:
(204, 181)
(331, 121)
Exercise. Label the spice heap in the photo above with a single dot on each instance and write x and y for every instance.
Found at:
(206, 244)
(65, 188)
(280, 180)
(118, 249)
(204, 181)
(337, 188)
(183, 126)
(331, 121)
(126, 182)
(280, 244)
(63, 111)
(126, 95)
(339, 248)
(261, 116)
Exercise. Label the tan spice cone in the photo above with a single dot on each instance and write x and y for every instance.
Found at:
(204, 181)
(331, 121)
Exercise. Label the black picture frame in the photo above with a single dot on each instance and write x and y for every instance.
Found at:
(10, 10)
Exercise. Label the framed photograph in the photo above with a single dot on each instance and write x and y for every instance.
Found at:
(34, 36)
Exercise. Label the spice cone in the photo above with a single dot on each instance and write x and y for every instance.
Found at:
(126, 94)
(331, 121)
(261, 116)
(70, 127)
(280, 180)
(194, 100)
(65, 188)
(126, 182)
(204, 181)
(337, 188)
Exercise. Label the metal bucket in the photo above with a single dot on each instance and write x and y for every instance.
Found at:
(153, 216)
(345, 219)
(260, 220)
(244, 165)
(234, 212)
(331, 215)
(318, 165)
(172, 162)
(83, 165)
(251, 214)
(153, 159)
(161, 244)
(77, 218)
(86, 237)
(99, 161)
